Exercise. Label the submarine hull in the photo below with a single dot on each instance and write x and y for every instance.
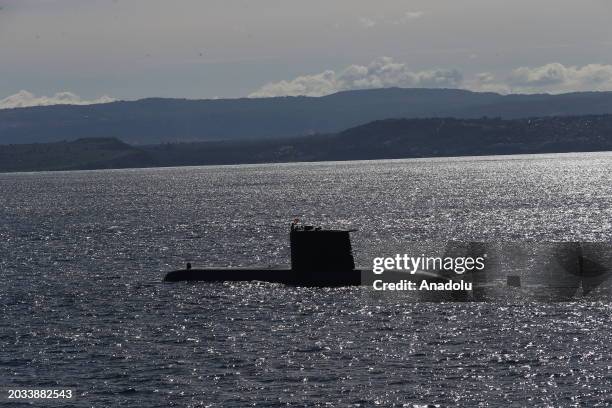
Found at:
(308, 278)
(284, 276)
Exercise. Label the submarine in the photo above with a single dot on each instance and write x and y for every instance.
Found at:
(319, 258)
(546, 271)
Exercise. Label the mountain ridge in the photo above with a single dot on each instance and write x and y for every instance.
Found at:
(381, 139)
(160, 120)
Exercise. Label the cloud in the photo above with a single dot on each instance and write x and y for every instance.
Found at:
(385, 72)
(549, 74)
(24, 99)
(486, 82)
(556, 77)
(369, 22)
(551, 78)
(381, 73)
(409, 16)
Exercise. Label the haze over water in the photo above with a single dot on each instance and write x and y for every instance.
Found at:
(82, 256)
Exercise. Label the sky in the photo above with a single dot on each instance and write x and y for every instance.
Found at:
(88, 51)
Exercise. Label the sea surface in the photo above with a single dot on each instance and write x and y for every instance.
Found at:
(83, 254)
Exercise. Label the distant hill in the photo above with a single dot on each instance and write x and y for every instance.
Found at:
(82, 154)
(385, 139)
(150, 121)
(407, 138)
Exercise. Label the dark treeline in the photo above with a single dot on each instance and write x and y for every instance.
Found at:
(82, 154)
(385, 139)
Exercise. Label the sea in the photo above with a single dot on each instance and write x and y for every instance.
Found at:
(83, 255)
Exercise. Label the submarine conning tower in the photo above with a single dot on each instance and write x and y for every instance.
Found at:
(314, 248)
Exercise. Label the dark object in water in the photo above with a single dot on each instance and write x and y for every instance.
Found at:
(314, 278)
(324, 258)
(319, 257)
(316, 248)
(514, 281)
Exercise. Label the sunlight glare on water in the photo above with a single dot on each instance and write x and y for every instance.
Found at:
(83, 254)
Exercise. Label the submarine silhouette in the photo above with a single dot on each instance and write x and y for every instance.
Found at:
(324, 258)
(319, 258)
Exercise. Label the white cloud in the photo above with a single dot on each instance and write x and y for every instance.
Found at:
(380, 73)
(551, 78)
(549, 74)
(556, 77)
(367, 22)
(409, 16)
(385, 72)
(370, 22)
(486, 82)
(24, 99)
